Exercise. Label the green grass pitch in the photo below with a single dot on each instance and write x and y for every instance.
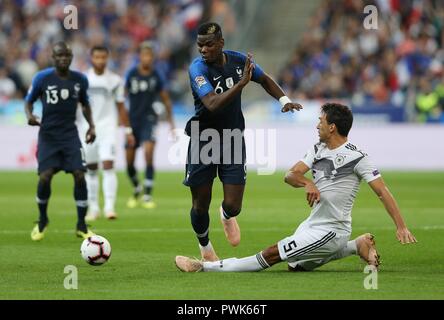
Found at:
(145, 242)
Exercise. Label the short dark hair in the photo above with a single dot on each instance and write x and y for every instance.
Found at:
(340, 115)
(209, 28)
(99, 47)
(146, 45)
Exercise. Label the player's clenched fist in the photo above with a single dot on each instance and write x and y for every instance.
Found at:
(313, 194)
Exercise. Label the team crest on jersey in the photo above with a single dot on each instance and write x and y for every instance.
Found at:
(339, 160)
(229, 82)
(64, 93)
(200, 81)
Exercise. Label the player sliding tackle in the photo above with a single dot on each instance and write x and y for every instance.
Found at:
(337, 167)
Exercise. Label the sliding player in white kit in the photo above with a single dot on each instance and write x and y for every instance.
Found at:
(106, 93)
(337, 167)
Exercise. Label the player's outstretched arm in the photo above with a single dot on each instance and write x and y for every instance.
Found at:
(295, 178)
(274, 90)
(91, 133)
(32, 119)
(402, 233)
(215, 102)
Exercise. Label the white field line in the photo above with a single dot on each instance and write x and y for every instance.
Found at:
(189, 230)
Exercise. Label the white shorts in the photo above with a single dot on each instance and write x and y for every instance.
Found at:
(312, 246)
(99, 151)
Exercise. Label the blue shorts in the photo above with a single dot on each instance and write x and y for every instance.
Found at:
(144, 132)
(231, 170)
(67, 156)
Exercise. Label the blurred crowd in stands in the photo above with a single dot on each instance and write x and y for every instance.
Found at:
(30, 27)
(399, 62)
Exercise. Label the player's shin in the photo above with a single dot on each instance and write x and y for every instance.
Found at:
(200, 222)
(132, 174)
(81, 198)
(248, 264)
(149, 180)
(109, 189)
(43, 194)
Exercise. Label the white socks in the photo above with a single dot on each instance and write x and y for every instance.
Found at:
(109, 185)
(252, 263)
(109, 189)
(92, 182)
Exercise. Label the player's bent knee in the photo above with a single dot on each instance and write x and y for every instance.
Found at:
(46, 176)
(231, 210)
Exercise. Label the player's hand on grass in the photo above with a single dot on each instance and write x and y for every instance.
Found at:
(91, 135)
(248, 70)
(313, 194)
(33, 121)
(130, 140)
(405, 236)
(291, 106)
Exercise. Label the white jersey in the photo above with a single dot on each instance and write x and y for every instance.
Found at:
(104, 91)
(337, 174)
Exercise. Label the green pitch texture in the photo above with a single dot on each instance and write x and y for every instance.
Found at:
(145, 242)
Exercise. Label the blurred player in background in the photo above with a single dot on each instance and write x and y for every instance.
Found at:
(106, 93)
(143, 86)
(217, 79)
(59, 148)
(337, 167)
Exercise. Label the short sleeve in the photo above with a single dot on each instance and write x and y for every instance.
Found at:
(366, 170)
(199, 80)
(308, 158)
(34, 90)
(83, 93)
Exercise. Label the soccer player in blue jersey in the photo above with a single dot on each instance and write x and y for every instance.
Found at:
(144, 85)
(217, 79)
(59, 148)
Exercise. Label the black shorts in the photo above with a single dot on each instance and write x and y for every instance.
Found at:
(231, 169)
(68, 155)
(144, 131)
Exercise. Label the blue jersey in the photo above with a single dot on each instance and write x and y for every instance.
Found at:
(142, 91)
(59, 99)
(206, 78)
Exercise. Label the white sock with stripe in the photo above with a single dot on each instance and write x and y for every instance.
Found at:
(252, 263)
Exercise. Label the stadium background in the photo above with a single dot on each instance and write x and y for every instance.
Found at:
(319, 51)
(392, 77)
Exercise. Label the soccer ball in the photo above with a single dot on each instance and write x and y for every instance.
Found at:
(95, 250)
